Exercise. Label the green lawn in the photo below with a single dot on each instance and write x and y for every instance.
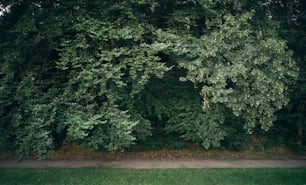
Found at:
(92, 176)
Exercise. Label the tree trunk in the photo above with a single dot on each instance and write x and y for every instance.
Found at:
(300, 135)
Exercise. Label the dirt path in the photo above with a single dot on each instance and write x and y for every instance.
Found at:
(72, 156)
(153, 164)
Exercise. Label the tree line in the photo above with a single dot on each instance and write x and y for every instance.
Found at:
(111, 74)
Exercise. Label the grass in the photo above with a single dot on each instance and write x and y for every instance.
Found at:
(93, 176)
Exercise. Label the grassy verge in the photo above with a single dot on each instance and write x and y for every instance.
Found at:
(94, 176)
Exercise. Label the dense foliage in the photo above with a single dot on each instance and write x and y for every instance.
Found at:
(110, 74)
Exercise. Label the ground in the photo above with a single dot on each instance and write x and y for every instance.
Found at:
(76, 152)
(73, 157)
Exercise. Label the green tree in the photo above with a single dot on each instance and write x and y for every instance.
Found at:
(244, 70)
(101, 74)
(291, 17)
(70, 76)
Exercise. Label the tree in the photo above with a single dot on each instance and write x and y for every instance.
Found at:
(291, 17)
(71, 80)
(241, 71)
(87, 72)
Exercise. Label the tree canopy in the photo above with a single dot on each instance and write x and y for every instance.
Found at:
(107, 74)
